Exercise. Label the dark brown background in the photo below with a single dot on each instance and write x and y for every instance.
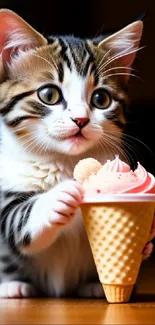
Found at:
(90, 18)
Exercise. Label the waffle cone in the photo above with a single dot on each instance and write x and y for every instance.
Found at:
(118, 232)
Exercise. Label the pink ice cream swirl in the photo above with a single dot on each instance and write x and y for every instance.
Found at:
(116, 177)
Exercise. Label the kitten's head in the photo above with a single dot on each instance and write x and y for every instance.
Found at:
(64, 94)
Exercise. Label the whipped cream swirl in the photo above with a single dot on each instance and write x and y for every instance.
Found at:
(116, 177)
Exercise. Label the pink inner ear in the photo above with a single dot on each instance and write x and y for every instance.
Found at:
(7, 22)
(5, 29)
(126, 60)
(6, 54)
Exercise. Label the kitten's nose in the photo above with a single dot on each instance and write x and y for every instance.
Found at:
(80, 121)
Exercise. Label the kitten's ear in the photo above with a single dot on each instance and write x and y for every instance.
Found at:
(16, 34)
(123, 45)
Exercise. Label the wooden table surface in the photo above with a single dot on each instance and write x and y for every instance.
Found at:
(71, 311)
(141, 309)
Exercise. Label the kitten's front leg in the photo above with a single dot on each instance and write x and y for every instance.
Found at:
(51, 212)
(36, 222)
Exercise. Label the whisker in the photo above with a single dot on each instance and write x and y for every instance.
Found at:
(121, 54)
(17, 130)
(25, 135)
(111, 145)
(123, 153)
(115, 68)
(135, 139)
(44, 140)
(104, 146)
(47, 146)
(127, 141)
(121, 149)
(115, 140)
(30, 140)
(122, 74)
(114, 57)
(103, 58)
(51, 66)
(42, 145)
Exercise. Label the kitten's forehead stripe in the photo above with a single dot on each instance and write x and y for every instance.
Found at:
(64, 54)
(74, 51)
(89, 50)
(86, 67)
(95, 74)
(79, 53)
(75, 57)
(61, 72)
(82, 55)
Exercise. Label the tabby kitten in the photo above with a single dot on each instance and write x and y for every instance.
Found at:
(61, 99)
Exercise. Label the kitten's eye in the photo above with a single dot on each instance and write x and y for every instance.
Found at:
(50, 95)
(100, 99)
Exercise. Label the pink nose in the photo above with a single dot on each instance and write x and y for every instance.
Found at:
(81, 121)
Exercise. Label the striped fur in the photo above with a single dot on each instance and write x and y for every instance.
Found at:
(42, 238)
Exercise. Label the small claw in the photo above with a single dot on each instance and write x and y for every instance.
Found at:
(147, 250)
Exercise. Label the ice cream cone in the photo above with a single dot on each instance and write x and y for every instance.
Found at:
(117, 231)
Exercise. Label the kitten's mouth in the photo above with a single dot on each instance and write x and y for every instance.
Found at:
(77, 135)
(72, 137)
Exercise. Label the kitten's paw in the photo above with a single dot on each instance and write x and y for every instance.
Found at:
(147, 250)
(66, 198)
(16, 289)
(91, 290)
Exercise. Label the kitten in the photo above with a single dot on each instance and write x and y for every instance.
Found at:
(61, 99)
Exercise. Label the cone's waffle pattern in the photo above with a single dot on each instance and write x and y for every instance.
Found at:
(117, 234)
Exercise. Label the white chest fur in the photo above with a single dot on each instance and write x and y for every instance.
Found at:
(31, 174)
(22, 171)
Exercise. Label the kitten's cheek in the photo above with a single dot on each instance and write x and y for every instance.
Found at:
(92, 134)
